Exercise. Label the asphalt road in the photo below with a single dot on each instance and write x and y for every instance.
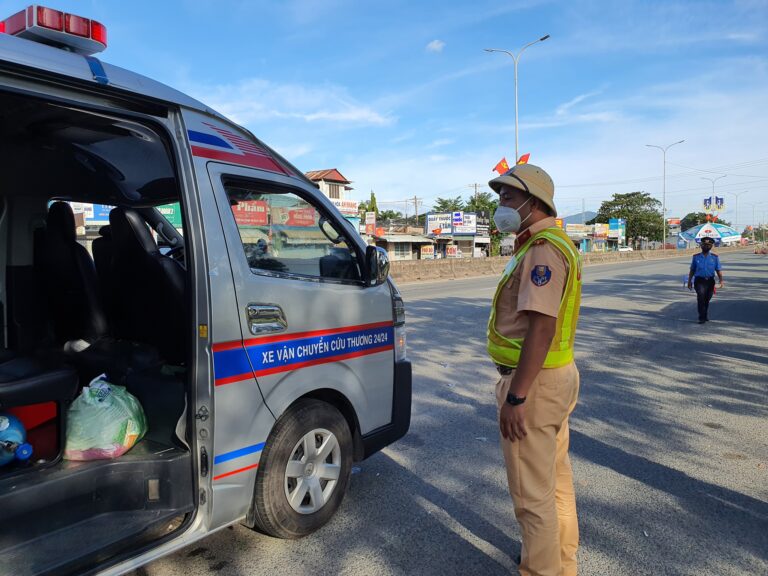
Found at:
(669, 443)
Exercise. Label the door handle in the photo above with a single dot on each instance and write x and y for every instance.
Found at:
(265, 318)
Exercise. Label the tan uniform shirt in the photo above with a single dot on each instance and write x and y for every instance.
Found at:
(537, 285)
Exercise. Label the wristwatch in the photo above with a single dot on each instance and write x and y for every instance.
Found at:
(514, 400)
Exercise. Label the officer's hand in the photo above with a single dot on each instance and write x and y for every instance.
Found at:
(690, 285)
(722, 283)
(512, 422)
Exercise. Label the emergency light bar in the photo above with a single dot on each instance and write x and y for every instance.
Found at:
(56, 28)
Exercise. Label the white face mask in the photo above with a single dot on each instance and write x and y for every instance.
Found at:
(508, 219)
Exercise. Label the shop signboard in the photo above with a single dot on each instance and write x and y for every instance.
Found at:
(452, 251)
(299, 217)
(458, 219)
(346, 207)
(172, 213)
(250, 213)
(576, 229)
(427, 251)
(468, 225)
(370, 223)
(559, 222)
(438, 221)
(94, 214)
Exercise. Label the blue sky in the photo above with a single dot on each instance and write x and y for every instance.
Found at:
(402, 99)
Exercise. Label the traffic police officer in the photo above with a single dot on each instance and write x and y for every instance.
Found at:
(704, 266)
(530, 338)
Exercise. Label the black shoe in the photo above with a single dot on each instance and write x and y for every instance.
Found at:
(702, 321)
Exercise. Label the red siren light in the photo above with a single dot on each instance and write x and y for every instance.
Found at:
(51, 19)
(56, 28)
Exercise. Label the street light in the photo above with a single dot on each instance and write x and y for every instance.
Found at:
(515, 59)
(736, 219)
(664, 190)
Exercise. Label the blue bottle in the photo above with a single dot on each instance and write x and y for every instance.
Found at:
(13, 440)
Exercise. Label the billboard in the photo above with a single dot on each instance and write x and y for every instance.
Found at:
(427, 251)
(439, 221)
(451, 223)
(468, 225)
(673, 221)
(601, 230)
(617, 228)
(559, 222)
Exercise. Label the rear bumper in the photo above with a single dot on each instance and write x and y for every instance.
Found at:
(401, 413)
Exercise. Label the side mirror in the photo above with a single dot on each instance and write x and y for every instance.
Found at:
(377, 265)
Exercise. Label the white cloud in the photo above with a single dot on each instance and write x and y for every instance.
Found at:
(435, 46)
(257, 100)
(440, 142)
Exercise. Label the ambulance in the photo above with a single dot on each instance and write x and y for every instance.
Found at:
(262, 337)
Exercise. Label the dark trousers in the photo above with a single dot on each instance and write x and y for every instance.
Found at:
(705, 287)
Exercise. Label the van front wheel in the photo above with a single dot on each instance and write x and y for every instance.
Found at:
(304, 471)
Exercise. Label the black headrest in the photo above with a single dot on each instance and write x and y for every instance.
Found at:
(60, 222)
(106, 231)
(129, 229)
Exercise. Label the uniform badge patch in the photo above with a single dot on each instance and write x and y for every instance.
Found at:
(541, 275)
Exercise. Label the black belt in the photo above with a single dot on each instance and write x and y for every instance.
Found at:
(504, 370)
(703, 278)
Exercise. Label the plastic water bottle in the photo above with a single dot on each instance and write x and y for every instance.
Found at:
(13, 440)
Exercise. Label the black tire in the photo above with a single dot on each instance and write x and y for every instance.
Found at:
(271, 512)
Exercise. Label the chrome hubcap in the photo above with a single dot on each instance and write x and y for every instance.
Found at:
(312, 471)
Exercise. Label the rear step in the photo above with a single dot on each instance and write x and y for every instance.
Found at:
(90, 541)
(76, 514)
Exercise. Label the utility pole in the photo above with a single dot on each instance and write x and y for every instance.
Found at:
(416, 210)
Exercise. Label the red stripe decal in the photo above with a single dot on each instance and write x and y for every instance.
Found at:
(233, 472)
(222, 346)
(325, 332)
(249, 160)
(233, 379)
(319, 361)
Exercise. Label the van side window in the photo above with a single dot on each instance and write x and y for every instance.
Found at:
(285, 234)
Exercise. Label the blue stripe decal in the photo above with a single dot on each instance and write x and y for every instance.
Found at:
(275, 355)
(205, 138)
(97, 69)
(227, 456)
(228, 363)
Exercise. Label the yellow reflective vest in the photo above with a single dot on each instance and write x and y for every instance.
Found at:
(506, 351)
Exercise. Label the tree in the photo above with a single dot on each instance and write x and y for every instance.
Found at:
(642, 213)
(695, 218)
(448, 205)
(372, 206)
(390, 215)
(481, 201)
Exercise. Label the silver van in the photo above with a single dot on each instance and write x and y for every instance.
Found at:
(258, 331)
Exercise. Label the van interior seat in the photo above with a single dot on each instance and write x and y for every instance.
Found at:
(74, 304)
(27, 380)
(146, 287)
(103, 250)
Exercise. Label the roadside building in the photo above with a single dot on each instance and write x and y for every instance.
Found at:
(406, 246)
(337, 188)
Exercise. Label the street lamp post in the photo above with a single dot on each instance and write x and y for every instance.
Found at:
(515, 58)
(736, 219)
(664, 190)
